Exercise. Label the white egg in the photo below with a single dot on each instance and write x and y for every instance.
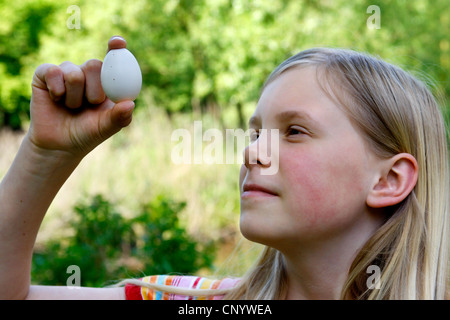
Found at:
(121, 75)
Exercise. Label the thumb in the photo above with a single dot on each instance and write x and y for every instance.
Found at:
(121, 113)
(119, 116)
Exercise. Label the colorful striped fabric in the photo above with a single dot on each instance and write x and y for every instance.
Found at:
(133, 292)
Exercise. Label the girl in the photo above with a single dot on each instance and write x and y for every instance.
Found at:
(357, 209)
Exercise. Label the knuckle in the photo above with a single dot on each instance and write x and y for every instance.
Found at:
(93, 65)
(66, 63)
(74, 78)
(53, 70)
(97, 99)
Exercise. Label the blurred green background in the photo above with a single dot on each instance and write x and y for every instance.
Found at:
(201, 60)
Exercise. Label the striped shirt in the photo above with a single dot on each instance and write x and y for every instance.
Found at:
(134, 292)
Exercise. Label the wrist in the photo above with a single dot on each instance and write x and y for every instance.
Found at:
(45, 162)
(56, 154)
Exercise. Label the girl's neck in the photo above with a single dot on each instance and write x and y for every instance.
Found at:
(319, 269)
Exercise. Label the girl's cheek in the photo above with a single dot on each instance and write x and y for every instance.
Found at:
(323, 188)
(310, 190)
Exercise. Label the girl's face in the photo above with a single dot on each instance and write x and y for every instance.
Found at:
(325, 169)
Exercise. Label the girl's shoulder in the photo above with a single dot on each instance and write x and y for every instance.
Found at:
(138, 291)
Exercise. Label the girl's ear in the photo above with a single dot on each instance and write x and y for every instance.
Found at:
(395, 182)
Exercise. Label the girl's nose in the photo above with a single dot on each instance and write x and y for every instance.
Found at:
(256, 153)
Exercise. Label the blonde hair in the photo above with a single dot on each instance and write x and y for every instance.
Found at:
(395, 113)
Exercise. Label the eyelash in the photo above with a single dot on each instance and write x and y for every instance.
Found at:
(253, 134)
(289, 130)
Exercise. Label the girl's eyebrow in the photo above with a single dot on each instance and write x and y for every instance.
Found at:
(285, 116)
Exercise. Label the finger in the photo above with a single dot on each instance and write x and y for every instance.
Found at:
(74, 83)
(50, 77)
(116, 42)
(115, 118)
(93, 86)
(122, 113)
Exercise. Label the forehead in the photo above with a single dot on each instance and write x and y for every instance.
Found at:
(295, 91)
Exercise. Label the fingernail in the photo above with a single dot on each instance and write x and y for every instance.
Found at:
(117, 38)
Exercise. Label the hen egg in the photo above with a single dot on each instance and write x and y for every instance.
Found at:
(121, 75)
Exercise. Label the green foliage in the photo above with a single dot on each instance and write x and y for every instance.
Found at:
(106, 245)
(201, 57)
(164, 243)
(20, 29)
(212, 56)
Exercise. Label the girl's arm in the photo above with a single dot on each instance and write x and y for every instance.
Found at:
(70, 116)
(25, 195)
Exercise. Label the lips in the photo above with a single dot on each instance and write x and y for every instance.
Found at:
(255, 189)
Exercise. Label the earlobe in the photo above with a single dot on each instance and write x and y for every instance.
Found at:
(396, 181)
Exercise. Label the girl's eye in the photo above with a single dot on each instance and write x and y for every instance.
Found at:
(294, 131)
(254, 135)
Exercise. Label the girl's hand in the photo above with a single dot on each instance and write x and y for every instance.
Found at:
(69, 110)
